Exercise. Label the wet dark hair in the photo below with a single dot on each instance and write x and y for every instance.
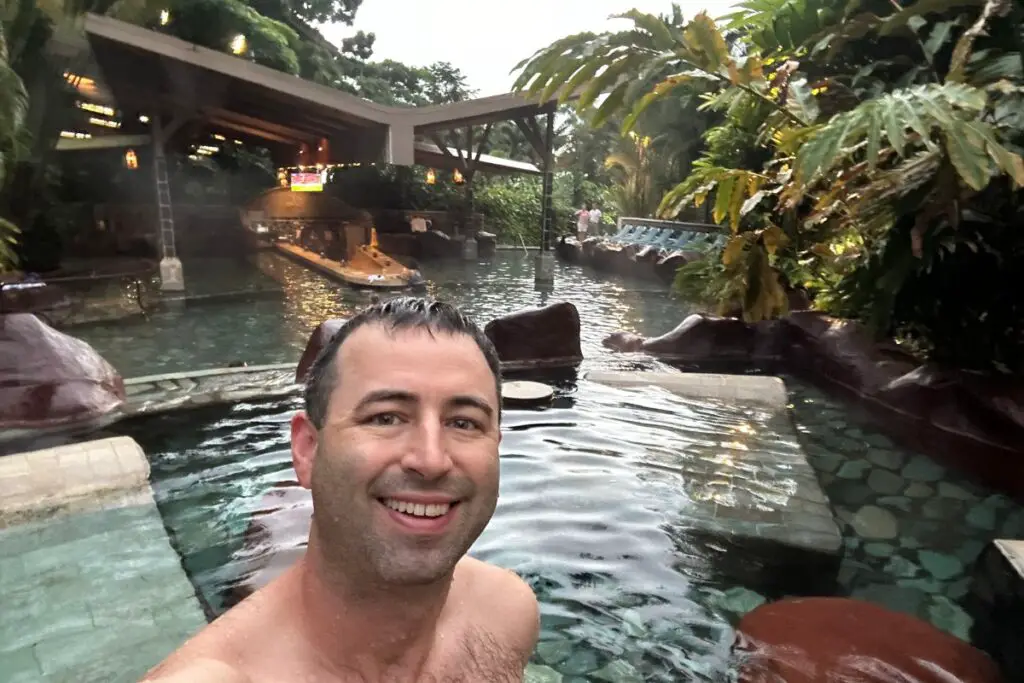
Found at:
(404, 313)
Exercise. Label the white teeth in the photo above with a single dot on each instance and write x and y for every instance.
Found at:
(418, 509)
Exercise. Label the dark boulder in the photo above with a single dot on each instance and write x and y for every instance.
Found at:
(700, 338)
(317, 341)
(843, 352)
(52, 380)
(569, 250)
(667, 265)
(542, 337)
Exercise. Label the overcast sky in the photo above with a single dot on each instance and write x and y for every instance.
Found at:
(487, 38)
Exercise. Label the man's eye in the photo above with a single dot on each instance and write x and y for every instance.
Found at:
(384, 420)
(464, 423)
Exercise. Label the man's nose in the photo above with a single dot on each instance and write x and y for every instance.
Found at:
(428, 455)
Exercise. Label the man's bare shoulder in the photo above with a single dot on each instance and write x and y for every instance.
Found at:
(505, 600)
(202, 670)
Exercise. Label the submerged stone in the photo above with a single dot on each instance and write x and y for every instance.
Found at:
(872, 521)
(739, 600)
(950, 618)
(939, 565)
(901, 567)
(618, 671)
(580, 662)
(896, 502)
(853, 469)
(919, 490)
(921, 468)
(885, 482)
(554, 651)
(879, 549)
(982, 517)
(538, 673)
(886, 458)
(952, 491)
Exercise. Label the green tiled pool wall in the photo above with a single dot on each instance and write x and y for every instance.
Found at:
(93, 597)
(912, 528)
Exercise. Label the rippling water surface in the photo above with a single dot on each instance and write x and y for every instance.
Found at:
(591, 519)
(594, 491)
(259, 328)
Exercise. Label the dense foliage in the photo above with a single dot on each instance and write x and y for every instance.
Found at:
(868, 151)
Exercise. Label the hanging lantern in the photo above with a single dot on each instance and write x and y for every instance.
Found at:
(431, 178)
(131, 160)
(457, 177)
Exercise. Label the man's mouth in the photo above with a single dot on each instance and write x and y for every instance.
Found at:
(426, 510)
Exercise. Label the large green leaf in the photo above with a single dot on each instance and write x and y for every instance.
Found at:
(923, 109)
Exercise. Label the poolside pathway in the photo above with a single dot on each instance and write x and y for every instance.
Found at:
(94, 596)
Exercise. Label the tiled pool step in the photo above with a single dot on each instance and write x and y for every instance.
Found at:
(180, 390)
(760, 513)
(91, 589)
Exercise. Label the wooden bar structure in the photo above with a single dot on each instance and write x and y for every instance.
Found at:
(169, 90)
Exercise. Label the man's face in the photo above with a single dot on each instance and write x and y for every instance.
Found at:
(404, 472)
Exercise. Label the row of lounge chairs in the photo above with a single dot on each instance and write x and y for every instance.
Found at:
(669, 239)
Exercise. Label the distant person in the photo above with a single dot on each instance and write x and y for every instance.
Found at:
(399, 445)
(582, 222)
(595, 221)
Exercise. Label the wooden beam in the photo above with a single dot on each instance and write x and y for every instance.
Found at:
(259, 124)
(531, 131)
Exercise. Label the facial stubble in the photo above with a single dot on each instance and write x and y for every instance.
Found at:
(353, 532)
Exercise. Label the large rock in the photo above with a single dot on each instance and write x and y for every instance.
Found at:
(317, 341)
(706, 339)
(569, 249)
(813, 640)
(843, 352)
(542, 337)
(667, 266)
(52, 381)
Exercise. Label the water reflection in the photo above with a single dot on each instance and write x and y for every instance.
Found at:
(258, 330)
(613, 533)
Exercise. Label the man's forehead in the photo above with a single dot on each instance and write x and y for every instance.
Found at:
(373, 346)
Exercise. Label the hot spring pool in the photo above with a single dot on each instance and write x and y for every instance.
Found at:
(597, 495)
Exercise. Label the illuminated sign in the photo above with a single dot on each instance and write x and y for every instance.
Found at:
(307, 182)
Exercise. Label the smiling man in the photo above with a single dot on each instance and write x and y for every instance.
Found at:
(399, 446)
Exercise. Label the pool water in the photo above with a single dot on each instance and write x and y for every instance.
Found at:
(254, 328)
(583, 514)
(593, 521)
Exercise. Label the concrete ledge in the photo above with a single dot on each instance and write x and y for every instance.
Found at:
(213, 372)
(769, 391)
(81, 476)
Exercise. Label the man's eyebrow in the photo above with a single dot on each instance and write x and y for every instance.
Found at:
(399, 396)
(385, 395)
(467, 401)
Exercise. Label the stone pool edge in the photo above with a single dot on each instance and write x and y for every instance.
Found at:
(72, 518)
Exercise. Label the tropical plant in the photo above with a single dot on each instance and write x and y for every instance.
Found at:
(633, 169)
(844, 122)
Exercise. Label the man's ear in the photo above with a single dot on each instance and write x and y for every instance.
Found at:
(304, 442)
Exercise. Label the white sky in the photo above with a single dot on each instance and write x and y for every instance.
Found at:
(487, 38)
